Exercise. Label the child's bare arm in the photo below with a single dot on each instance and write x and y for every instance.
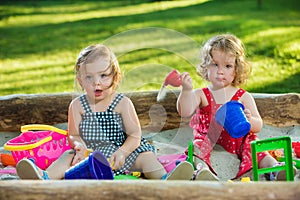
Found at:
(188, 99)
(75, 140)
(133, 131)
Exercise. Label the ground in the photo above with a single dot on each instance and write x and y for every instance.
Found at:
(175, 141)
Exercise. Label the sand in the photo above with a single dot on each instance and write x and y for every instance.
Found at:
(175, 141)
(225, 164)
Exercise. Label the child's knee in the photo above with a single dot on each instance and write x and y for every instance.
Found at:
(147, 155)
(145, 158)
(267, 161)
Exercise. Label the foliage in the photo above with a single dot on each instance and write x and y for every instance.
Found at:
(40, 40)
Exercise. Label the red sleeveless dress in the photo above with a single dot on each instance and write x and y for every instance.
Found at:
(207, 133)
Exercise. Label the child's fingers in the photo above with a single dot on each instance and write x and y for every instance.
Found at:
(76, 160)
(111, 163)
(117, 160)
(184, 75)
(116, 164)
(120, 162)
(247, 113)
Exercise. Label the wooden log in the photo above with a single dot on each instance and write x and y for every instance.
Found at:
(147, 189)
(16, 110)
(279, 110)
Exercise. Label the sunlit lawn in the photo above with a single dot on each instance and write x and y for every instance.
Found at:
(40, 40)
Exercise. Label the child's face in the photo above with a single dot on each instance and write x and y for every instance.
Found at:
(96, 78)
(221, 71)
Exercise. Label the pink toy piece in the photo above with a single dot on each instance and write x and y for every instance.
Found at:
(169, 161)
(173, 79)
(8, 171)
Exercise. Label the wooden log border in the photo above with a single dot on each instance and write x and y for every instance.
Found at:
(147, 189)
(278, 110)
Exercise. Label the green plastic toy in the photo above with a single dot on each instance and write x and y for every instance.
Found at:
(190, 153)
(283, 142)
(125, 177)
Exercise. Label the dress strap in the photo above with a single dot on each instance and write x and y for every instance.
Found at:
(238, 94)
(209, 97)
(211, 100)
(115, 102)
(85, 104)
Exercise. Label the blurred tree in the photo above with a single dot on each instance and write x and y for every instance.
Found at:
(259, 2)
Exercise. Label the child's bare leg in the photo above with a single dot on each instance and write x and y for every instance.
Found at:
(27, 169)
(269, 161)
(147, 162)
(58, 168)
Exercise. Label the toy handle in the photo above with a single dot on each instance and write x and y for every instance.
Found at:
(43, 128)
(190, 153)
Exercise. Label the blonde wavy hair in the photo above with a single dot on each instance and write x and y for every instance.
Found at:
(229, 44)
(94, 52)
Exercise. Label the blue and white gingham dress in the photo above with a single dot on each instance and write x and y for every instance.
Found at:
(103, 131)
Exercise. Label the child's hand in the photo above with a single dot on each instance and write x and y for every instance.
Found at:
(117, 159)
(186, 81)
(80, 153)
(248, 113)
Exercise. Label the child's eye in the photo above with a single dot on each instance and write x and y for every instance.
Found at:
(229, 66)
(103, 75)
(214, 65)
(89, 78)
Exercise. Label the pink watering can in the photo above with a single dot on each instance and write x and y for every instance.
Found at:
(173, 79)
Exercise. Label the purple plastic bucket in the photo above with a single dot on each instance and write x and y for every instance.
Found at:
(95, 166)
(232, 117)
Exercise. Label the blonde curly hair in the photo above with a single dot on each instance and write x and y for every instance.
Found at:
(229, 44)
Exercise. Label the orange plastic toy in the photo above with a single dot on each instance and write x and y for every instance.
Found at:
(7, 159)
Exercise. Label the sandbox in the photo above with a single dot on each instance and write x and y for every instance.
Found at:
(169, 133)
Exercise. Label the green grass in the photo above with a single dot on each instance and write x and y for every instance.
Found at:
(40, 40)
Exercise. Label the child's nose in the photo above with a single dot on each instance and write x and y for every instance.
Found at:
(98, 81)
(220, 70)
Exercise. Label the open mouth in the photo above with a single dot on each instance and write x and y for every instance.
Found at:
(98, 92)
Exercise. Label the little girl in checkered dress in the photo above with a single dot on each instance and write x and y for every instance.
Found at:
(104, 120)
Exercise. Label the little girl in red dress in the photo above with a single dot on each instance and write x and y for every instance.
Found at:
(224, 65)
